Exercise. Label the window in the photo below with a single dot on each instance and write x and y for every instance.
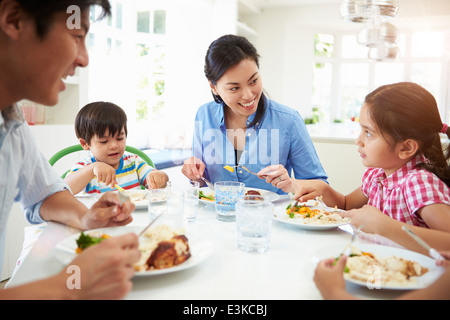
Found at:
(127, 52)
(342, 78)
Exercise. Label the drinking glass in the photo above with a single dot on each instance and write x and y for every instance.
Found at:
(254, 216)
(191, 201)
(226, 195)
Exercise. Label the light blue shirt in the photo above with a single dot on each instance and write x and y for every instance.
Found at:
(280, 137)
(25, 174)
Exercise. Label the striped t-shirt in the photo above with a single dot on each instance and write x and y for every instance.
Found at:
(131, 174)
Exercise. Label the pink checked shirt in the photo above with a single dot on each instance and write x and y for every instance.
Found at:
(405, 191)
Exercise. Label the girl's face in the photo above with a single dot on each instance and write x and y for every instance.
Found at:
(240, 88)
(108, 149)
(375, 151)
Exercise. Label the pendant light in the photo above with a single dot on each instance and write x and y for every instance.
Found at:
(365, 10)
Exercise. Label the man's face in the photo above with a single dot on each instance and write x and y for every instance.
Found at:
(44, 63)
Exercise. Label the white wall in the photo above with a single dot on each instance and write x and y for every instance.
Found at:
(285, 41)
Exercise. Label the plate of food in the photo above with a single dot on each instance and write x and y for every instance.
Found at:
(164, 249)
(385, 267)
(138, 197)
(206, 195)
(310, 215)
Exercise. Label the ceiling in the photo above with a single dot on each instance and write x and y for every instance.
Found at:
(282, 3)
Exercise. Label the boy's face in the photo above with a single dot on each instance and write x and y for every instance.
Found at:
(108, 149)
(42, 64)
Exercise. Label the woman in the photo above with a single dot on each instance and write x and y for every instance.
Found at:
(243, 127)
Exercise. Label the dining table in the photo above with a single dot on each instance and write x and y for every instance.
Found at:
(225, 272)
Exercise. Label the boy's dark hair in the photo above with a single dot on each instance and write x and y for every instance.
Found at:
(226, 52)
(43, 11)
(94, 118)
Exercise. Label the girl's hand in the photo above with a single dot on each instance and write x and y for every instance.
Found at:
(369, 216)
(157, 179)
(305, 190)
(444, 263)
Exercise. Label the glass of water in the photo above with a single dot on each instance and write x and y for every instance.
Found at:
(254, 216)
(157, 202)
(191, 201)
(226, 195)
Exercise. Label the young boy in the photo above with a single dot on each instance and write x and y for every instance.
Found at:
(101, 127)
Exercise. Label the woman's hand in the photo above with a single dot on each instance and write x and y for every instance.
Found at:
(193, 168)
(278, 176)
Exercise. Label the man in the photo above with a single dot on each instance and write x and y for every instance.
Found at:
(41, 45)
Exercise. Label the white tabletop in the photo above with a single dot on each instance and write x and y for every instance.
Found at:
(284, 272)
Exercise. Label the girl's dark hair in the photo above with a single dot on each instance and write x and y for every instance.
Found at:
(406, 110)
(94, 118)
(224, 53)
(44, 11)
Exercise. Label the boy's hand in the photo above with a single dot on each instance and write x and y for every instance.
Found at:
(105, 173)
(156, 179)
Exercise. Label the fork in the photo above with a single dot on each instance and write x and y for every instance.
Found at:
(348, 247)
(209, 184)
(246, 169)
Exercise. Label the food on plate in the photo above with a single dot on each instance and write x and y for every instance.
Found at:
(162, 247)
(382, 271)
(137, 195)
(169, 253)
(229, 168)
(253, 193)
(309, 213)
(86, 240)
(203, 196)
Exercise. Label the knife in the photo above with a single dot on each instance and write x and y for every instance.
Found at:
(433, 253)
(148, 226)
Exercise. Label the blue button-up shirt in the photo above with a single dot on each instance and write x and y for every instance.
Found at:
(280, 137)
(25, 174)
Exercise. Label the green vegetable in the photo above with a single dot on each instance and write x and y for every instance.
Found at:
(202, 195)
(85, 241)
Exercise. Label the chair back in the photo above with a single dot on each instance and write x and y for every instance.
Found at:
(78, 147)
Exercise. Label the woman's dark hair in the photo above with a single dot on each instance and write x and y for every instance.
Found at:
(224, 53)
(94, 118)
(406, 110)
(44, 11)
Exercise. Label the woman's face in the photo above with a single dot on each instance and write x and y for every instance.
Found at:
(240, 88)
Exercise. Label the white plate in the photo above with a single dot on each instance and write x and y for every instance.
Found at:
(428, 278)
(140, 204)
(200, 251)
(280, 215)
(271, 196)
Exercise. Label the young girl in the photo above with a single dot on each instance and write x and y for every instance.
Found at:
(407, 173)
(101, 128)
